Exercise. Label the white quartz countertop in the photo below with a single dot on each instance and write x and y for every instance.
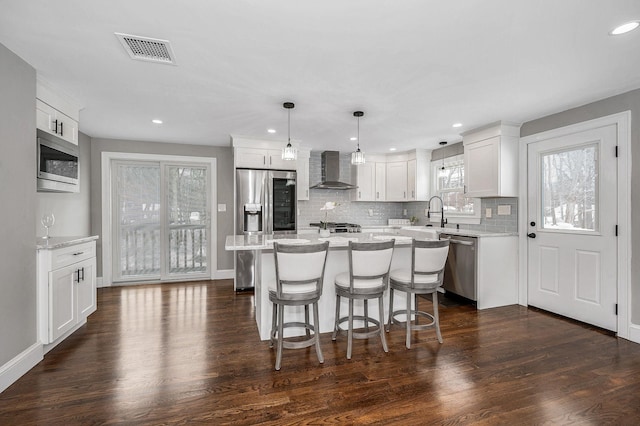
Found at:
(265, 242)
(461, 232)
(402, 235)
(58, 242)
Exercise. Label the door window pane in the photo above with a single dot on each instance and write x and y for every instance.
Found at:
(187, 216)
(569, 193)
(138, 216)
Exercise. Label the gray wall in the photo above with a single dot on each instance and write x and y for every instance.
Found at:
(71, 210)
(224, 164)
(17, 216)
(627, 101)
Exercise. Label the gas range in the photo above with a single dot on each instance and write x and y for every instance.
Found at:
(340, 227)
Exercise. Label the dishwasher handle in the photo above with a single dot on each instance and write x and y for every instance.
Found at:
(453, 241)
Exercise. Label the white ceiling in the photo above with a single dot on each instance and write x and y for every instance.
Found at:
(414, 67)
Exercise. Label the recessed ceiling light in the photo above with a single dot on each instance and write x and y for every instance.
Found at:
(271, 130)
(392, 149)
(156, 121)
(625, 28)
(353, 139)
(457, 125)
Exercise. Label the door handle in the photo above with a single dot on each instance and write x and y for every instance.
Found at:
(531, 235)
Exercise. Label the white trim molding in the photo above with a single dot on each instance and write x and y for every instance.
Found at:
(20, 364)
(622, 120)
(224, 274)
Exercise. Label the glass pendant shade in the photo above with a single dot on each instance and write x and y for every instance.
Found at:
(357, 156)
(289, 153)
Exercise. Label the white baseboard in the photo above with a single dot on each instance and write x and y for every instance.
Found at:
(100, 283)
(223, 274)
(18, 366)
(634, 333)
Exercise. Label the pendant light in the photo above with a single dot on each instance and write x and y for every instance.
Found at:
(442, 171)
(289, 152)
(357, 156)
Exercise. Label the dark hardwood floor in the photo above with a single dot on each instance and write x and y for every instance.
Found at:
(190, 353)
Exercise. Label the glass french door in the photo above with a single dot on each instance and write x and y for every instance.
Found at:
(161, 221)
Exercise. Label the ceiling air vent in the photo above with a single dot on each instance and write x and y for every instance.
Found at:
(147, 49)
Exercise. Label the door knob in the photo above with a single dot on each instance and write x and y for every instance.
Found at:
(531, 235)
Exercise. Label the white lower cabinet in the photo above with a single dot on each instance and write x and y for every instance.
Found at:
(66, 289)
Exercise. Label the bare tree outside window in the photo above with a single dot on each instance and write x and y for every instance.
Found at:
(569, 189)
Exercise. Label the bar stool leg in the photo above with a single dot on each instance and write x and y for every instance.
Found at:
(316, 332)
(280, 337)
(335, 326)
(366, 315)
(350, 332)
(306, 321)
(436, 317)
(382, 337)
(274, 312)
(390, 309)
(408, 342)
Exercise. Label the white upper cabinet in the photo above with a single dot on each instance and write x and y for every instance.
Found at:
(55, 113)
(365, 181)
(394, 177)
(302, 175)
(381, 182)
(491, 161)
(397, 181)
(258, 154)
(419, 175)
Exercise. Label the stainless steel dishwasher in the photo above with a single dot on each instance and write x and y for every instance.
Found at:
(460, 273)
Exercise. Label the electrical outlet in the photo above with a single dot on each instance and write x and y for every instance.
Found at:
(426, 212)
(370, 212)
(404, 212)
(488, 213)
(222, 207)
(504, 210)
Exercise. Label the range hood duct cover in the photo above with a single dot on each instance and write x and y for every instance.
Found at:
(330, 170)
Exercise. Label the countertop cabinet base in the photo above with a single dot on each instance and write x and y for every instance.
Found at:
(66, 290)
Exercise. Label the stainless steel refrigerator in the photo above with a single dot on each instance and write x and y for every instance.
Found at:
(265, 204)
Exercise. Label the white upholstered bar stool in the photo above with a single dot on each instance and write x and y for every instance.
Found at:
(428, 259)
(367, 278)
(299, 280)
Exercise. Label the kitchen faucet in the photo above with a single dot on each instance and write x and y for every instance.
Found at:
(443, 221)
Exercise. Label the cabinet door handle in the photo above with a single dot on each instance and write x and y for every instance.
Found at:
(82, 274)
(307, 192)
(77, 275)
(55, 128)
(359, 194)
(377, 195)
(78, 253)
(61, 128)
(404, 194)
(464, 189)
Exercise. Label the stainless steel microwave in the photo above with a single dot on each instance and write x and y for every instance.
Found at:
(58, 164)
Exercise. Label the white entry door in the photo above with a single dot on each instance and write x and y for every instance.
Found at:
(572, 210)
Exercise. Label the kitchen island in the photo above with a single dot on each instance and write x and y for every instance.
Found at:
(337, 262)
(496, 269)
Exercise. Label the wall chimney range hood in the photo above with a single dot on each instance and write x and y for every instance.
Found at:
(330, 170)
